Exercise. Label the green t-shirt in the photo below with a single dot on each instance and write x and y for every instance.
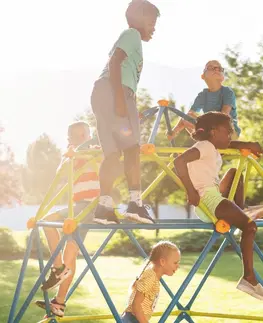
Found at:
(131, 43)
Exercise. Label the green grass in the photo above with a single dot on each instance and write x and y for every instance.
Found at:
(218, 295)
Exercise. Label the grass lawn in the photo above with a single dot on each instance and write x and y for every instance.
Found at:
(218, 295)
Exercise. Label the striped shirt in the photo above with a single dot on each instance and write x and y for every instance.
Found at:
(149, 285)
(87, 186)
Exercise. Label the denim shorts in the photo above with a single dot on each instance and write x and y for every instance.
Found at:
(128, 317)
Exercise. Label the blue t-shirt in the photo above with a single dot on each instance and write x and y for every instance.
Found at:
(213, 101)
(131, 43)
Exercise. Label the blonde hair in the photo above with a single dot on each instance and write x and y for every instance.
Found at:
(159, 250)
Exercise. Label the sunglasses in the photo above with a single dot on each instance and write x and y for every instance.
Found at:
(214, 68)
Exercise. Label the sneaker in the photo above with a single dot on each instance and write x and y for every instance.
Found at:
(104, 215)
(138, 213)
(246, 287)
(55, 307)
(56, 277)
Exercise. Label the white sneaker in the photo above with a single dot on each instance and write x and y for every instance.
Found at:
(246, 287)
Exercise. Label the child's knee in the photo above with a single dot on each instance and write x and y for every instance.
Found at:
(132, 151)
(232, 172)
(250, 228)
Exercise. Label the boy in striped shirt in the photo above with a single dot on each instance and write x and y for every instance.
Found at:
(85, 189)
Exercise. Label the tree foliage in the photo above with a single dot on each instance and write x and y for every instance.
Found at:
(43, 158)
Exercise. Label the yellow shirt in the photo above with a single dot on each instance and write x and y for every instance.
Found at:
(149, 285)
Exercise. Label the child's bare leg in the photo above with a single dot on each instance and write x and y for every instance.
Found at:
(109, 171)
(132, 168)
(229, 212)
(69, 257)
(225, 186)
(53, 238)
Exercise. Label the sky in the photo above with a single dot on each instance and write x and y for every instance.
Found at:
(61, 37)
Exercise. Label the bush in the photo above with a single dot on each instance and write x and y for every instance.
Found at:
(45, 250)
(188, 241)
(121, 245)
(9, 248)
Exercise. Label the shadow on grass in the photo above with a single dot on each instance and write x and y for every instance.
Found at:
(8, 281)
(228, 267)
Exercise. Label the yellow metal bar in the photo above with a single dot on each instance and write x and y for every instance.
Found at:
(227, 316)
(256, 165)
(234, 185)
(64, 189)
(156, 182)
(70, 188)
(247, 175)
(40, 214)
(180, 150)
(157, 314)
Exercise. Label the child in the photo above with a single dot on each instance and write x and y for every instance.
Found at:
(215, 98)
(113, 102)
(198, 168)
(85, 189)
(164, 260)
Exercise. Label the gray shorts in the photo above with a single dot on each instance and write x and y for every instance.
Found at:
(115, 133)
(78, 207)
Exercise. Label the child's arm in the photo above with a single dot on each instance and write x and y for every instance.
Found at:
(180, 164)
(115, 78)
(254, 147)
(182, 124)
(137, 307)
(229, 100)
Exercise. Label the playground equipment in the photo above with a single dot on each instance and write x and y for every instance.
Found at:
(164, 157)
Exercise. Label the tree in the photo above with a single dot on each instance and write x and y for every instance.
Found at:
(43, 158)
(245, 77)
(9, 176)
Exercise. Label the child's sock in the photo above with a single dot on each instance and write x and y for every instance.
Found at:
(106, 201)
(135, 196)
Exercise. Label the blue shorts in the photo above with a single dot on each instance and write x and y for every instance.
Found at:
(128, 317)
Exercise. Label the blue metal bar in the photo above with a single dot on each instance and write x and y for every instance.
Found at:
(179, 318)
(132, 226)
(189, 277)
(258, 251)
(208, 272)
(97, 278)
(96, 255)
(183, 115)
(41, 268)
(148, 113)
(156, 125)
(168, 125)
(21, 277)
(39, 280)
(144, 255)
(238, 251)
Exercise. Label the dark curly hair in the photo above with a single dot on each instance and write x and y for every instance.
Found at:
(139, 8)
(206, 122)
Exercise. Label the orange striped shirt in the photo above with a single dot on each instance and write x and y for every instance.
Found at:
(149, 285)
(87, 186)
